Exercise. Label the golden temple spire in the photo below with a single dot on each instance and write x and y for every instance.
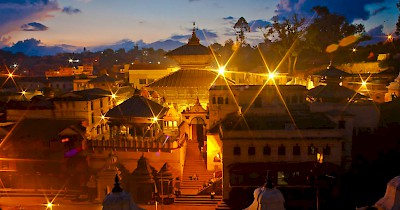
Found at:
(194, 40)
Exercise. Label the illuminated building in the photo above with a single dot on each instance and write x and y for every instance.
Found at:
(258, 131)
(89, 105)
(141, 74)
(70, 71)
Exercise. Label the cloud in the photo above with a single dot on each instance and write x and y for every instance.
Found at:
(228, 18)
(34, 26)
(71, 11)
(34, 47)
(352, 10)
(377, 35)
(15, 13)
(5, 41)
(379, 10)
(256, 24)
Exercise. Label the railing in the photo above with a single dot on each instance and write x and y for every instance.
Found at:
(159, 145)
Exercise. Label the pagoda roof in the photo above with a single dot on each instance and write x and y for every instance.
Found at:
(190, 50)
(137, 106)
(193, 47)
(333, 92)
(190, 78)
(165, 172)
(143, 173)
(331, 71)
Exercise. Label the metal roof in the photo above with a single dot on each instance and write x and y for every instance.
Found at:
(331, 71)
(200, 78)
(137, 106)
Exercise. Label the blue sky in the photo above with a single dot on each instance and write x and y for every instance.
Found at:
(99, 22)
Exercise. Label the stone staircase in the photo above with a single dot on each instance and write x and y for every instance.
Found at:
(198, 200)
(194, 164)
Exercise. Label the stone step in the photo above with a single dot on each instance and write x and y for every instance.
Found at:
(198, 199)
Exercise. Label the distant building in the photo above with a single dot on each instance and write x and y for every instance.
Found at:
(86, 69)
(141, 74)
(89, 106)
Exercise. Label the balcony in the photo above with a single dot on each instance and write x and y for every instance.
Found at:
(166, 144)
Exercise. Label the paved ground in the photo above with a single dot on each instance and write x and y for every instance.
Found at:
(24, 203)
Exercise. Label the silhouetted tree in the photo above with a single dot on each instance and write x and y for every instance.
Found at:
(285, 37)
(398, 20)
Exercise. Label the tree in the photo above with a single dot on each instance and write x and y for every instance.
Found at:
(327, 29)
(284, 37)
(398, 20)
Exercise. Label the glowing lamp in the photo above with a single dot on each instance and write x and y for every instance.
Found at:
(10, 75)
(154, 119)
(49, 205)
(354, 50)
(271, 75)
(23, 92)
(320, 158)
(221, 70)
(364, 83)
(113, 96)
(103, 117)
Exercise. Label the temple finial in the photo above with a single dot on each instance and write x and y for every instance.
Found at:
(117, 187)
(194, 40)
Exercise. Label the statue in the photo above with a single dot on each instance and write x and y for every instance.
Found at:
(267, 198)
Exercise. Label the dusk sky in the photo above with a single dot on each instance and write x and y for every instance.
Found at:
(100, 22)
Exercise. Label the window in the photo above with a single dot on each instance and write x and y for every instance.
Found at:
(296, 150)
(142, 81)
(226, 100)
(91, 105)
(312, 150)
(214, 101)
(92, 118)
(101, 102)
(327, 150)
(252, 150)
(236, 150)
(281, 150)
(220, 100)
(267, 150)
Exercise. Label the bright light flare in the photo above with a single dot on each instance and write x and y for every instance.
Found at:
(390, 37)
(23, 92)
(113, 96)
(49, 205)
(221, 70)
(354, 50)
(364, 83)
(10, 75)
(271, 75)
(154, 119)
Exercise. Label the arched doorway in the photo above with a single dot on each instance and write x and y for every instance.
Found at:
(198, 131)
